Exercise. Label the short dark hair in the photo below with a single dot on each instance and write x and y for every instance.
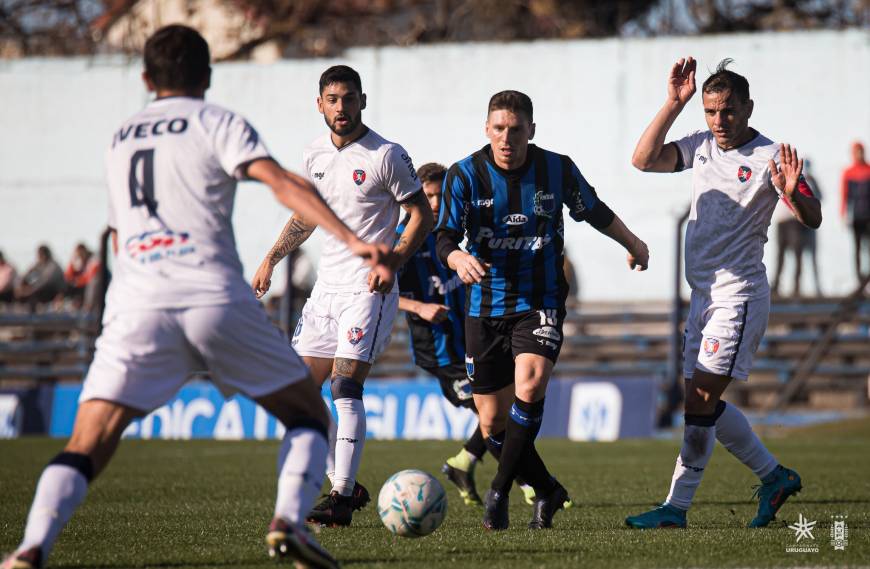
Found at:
(340, 74)
(177, 57)
(725, 80)
(431, 172)
(44, 251)
(513, 101)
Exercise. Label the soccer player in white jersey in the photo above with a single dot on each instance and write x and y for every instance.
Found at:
(178, 301)
(346, 322)
(738, 175)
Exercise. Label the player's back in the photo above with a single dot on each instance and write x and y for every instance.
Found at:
(171, 175)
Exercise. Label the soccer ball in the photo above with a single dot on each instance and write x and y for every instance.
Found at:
(412, 503)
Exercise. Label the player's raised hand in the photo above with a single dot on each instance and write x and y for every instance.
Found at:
(681, 81)
(787, 176)
(467, 266)
(434, 313)
(638, 256)
(262, 279)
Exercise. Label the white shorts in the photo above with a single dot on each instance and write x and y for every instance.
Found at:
(144, 356)
(721, 337)
(349, 325)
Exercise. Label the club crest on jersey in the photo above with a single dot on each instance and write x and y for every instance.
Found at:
(545, 204)
(744, 173)
(355, 335)
(469, 367)
(359, 176)
(711, 346)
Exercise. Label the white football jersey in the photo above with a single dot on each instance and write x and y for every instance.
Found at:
(172, 170)
(733, 199)
(364, 183)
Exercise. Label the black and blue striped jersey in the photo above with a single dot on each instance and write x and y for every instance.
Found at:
(424, 278)
(513, 220)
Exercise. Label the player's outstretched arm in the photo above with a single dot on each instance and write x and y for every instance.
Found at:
(294, 234)
(638, 252)
(418, 226)
(298, 194)
(428, 311)
(651, 153)
(787, 178)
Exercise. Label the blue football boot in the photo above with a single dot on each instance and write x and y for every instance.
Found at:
(772, 494)
(664, 516)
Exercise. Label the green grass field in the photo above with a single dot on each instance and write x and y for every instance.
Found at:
(200, 504)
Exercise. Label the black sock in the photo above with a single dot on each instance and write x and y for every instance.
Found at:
(494, 442)
(522, 428)
(475, 444)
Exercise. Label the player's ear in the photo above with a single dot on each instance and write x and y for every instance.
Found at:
(207, 82)
(751, 104)
(532, 131)
(320, 104)
(148, 84)
(362, 101)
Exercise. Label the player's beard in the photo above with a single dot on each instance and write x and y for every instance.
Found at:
(352, 123)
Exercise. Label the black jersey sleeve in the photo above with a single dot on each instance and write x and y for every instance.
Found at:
(584, 204)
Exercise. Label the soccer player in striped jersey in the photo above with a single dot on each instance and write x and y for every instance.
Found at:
(738, 175)
(433, 299)
(507, 200)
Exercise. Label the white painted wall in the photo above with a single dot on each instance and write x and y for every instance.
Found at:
(592, 100)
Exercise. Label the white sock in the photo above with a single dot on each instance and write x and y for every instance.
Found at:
(59, 492)
(349, 441)
(735, 434)
(302, 459)
(698, 442)
(330, 458)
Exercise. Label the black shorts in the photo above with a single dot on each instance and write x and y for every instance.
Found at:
(492, 343)
(454, 384)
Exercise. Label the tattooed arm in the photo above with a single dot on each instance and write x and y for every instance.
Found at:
(292, 236)
(419, 225)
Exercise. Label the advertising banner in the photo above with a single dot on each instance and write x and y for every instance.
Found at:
(395, 409)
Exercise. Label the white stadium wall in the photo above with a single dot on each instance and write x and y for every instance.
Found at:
(592, 100)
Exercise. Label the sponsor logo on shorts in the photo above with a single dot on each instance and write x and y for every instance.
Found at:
(469, 367)
(514, 219)
(548, 343)
(710, 346)
(359, 176)
(548, 332)
(355, 335)
(744, 173)
(297, 332)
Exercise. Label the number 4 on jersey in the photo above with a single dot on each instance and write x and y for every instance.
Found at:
(142, 192)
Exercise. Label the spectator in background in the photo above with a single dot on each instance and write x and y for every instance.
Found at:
(8, 275)
(856, 202)
(81, 275)
(43, 281)
(794, 236)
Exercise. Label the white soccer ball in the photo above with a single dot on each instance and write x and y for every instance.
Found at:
(412, 503)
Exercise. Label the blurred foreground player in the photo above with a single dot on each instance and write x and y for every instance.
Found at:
(507, 200)
(346, 322)
(738, 175)
(178, 301)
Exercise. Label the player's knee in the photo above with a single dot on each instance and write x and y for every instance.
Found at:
(705, 417)
(343, 387)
